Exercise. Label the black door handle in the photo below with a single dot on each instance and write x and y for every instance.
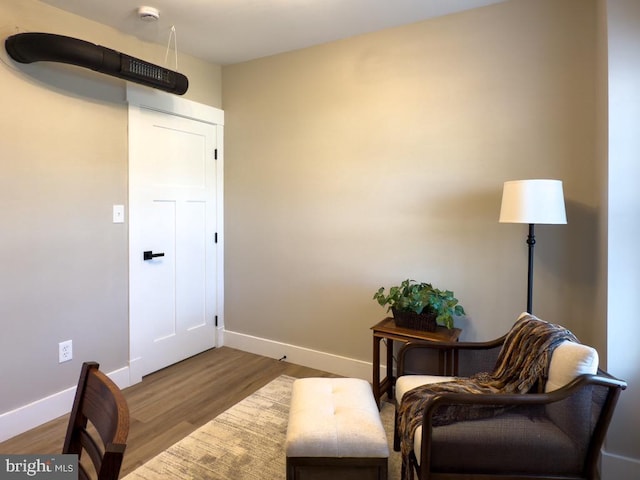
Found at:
(149, 255)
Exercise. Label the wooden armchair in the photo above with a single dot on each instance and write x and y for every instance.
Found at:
(98, 425)
(556, 434)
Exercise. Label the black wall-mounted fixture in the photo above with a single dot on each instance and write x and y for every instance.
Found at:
(49, 47)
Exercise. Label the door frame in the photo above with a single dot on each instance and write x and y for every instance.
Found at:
(140, 97)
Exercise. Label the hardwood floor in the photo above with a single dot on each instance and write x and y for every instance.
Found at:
(169, 404)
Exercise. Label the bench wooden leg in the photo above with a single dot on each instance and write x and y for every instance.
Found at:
(330, 468)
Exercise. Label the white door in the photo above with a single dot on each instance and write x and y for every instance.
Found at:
(172, 239)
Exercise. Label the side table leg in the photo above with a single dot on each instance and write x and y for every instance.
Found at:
(376, 369)
(391, 382)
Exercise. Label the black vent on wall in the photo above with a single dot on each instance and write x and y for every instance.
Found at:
(48, 47)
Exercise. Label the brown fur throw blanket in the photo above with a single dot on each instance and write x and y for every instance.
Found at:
(522, 365)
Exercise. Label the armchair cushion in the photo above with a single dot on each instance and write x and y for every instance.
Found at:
(570, 360)
(481, 444)
(409, 382)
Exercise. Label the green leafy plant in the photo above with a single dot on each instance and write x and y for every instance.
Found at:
(411, 296)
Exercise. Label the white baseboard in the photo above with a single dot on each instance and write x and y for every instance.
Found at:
(616, 467)
(328, 362)
(22, 419)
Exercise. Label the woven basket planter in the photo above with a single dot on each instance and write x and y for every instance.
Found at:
(415, 321)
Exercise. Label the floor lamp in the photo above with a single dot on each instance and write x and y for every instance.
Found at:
(532, 201)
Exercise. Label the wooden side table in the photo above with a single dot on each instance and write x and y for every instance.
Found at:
(387, 329)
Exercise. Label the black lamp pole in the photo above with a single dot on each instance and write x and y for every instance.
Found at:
(531, 241)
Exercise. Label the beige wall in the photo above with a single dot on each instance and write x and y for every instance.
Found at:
(63, 150)
(360, 163)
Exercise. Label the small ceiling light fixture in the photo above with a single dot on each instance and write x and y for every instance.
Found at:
(148, 14)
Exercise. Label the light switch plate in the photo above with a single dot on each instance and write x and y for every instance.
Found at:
(118, 214)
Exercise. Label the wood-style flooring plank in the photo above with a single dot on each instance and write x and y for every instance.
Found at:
(171, 403)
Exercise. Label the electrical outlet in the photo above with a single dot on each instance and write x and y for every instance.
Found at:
(65, 351)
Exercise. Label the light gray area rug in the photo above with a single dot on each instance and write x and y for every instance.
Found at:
(245, 442)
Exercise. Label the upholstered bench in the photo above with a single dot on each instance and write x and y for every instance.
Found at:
(335, 431)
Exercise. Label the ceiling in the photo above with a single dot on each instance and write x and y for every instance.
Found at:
(232, 31)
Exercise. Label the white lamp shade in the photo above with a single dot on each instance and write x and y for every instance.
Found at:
(533, 201)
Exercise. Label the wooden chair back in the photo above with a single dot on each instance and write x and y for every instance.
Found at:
(98, 425)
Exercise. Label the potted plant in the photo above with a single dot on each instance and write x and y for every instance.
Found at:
(420, 305)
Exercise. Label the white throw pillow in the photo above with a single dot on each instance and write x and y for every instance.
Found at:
(570, 360)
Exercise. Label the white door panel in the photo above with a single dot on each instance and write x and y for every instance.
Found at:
(173, 214)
